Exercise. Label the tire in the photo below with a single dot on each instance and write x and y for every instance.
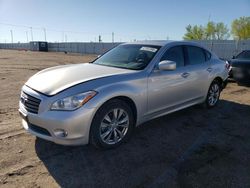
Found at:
(112, 125)
(213, 94)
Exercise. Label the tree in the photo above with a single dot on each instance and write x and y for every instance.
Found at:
(194, 33)
(241, 28)
(212, 31)
(221, 31)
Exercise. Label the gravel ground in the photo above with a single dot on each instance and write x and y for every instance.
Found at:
(194, 147)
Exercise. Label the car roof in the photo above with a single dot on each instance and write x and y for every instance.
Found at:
(164, 43)
(152, 42)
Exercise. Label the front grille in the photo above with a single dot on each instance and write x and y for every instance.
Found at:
(39, 130)
(31, 104)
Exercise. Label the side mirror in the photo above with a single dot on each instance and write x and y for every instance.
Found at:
(167, 65)
(233, 57)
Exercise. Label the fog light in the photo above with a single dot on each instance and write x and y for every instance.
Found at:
(60, 133)
(25, 124)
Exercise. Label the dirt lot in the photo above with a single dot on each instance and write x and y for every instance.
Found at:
(194, 147)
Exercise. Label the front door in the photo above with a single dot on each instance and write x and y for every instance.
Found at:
(168, 89)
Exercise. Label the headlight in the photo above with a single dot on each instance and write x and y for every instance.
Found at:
(73, 102)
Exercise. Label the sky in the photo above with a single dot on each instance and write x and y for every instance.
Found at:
(85, 20)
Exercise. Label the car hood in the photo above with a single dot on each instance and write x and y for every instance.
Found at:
(53, 80)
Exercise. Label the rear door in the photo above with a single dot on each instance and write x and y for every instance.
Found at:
(199, 68)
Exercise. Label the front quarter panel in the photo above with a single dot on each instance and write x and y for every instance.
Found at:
(135, 89)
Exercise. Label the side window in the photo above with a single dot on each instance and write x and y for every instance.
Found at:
(244, 55)
(208, 55)
(174, 54)
(196, 55)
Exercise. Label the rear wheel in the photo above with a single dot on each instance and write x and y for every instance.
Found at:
(213, 94)
(112, 124)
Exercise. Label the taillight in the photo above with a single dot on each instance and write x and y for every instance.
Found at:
(227, 65)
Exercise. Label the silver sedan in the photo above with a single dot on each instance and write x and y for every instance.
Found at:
(102, 101)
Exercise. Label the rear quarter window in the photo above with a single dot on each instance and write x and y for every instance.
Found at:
(208, 55)
(196, 55)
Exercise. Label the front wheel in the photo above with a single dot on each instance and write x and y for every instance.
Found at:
(112, 124)
(213, 94)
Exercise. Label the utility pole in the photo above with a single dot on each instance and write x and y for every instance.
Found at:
(100, 38)
(27, 37)
(113, 37)
(31, 33)
(44, 30)
(11, 34)
(63, 36)
(209, 17)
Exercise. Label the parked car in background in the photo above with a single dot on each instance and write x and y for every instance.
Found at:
(240, 67)
(101, 102)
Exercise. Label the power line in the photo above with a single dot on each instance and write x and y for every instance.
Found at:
(44, 30)
(50, 29)
(14, 25)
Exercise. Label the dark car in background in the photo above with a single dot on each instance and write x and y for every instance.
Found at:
(240, 67)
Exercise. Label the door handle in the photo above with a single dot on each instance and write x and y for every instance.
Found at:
(209, 69)
(185, 74)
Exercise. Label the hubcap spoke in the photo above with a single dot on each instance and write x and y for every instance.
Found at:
(115, 136)
(115, 113)
(105, 134)
(119, 133)
(109, 135)
(120, 114)
(125, 119)
(107, 118)
(123, 125)
(104, 125)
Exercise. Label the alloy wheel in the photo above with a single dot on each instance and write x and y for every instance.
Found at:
(213, 94)
(114, 126)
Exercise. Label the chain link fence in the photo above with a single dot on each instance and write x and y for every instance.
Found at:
(223, 48)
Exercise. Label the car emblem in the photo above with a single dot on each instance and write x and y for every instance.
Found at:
(24, 98)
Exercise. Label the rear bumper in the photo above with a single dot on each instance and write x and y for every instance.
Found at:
(230, 73)
(241, 75)
(224, 84)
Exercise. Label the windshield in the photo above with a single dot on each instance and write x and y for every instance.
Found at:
(244, 55)
(129, 56)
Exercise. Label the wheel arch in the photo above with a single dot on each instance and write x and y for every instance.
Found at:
(125, 99)
(129, 101)
(220, 80)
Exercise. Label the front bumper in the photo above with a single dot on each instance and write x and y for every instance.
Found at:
(46, 124)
